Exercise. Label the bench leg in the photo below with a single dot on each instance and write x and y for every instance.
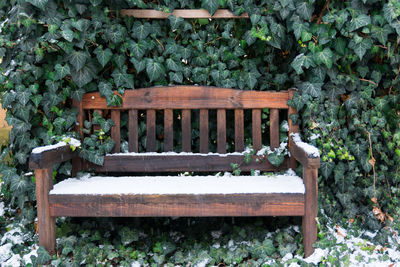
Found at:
(46, 223)
(310, 178)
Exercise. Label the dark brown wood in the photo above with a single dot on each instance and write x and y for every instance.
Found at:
(274, 128)
(221, 131)
(48, 158)
(116, 130)
(190, 97)
(310, 178)
(151, 130)
(133, 130)
(46, 222)
(186, 131)
(183, 13)
(178, 163)
(292, 128)
(256, 129)
(301, 156)
(77, 164)
(239, 130)
(203, 131)
(168, 130)
(178, 205)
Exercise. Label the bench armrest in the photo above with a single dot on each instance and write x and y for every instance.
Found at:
(47, 156)
(306, 154)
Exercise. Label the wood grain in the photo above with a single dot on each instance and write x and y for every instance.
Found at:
(168, 130)
(178, 205)
(151, 130)
(301, 156)
(46, 222)
(274, 128)
(256, 129)
(181, 163)
(204, 128)
(221, 131)
(133, 130)
(310, 178)
(190, 97)
(186, 131)
(239, 130)
(116, 130)
(183, 13)
(292, 128)
(47, 159)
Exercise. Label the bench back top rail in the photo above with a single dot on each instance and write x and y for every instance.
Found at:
(185, 99)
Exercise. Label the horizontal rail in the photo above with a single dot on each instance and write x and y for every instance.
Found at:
(183, 13)
(191, 97)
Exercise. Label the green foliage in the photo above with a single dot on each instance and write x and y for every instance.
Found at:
(345, 65)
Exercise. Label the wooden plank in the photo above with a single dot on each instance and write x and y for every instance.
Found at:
(168, 130)
(151, 130)
(46, 222)
(77, 164)
(178, 205)
(292, 128)
(179, 163)
(133, 130)
(301, 156)
(183, 13)
(274, 128)
(221, 131)
(116, 130)
(239, 130)
(204, 130)
(186, 131)
(190, 97)
(310, 178)
(256, 129)
(48, 158)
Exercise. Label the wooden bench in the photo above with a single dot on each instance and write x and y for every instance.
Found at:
(181, 195)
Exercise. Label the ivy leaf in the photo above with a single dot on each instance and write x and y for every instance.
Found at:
(62, 71)
(305, 10)
(360, 21)
(251, 78)
(389, 12)
(137, 49)
(327, 168)
(67, 34)
(276, 158)
(103, 56)
(122, 78)
(314, 89)
(358, 150)
(114, 101)
(300, 61)
(139, 64)
(7, 98)
(82, 76)
(176, 77)
(78, 59)
(23, 97)
(141, 30)
(210, 5)
(173, 65)
(186, 52)
(381, 33)
(39, 3)
(105, 89)
(361, 48)
(325, 56)
(175, 22)
(154, 70)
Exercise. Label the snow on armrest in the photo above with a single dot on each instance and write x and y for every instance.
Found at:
(308, 155)
(46, 156)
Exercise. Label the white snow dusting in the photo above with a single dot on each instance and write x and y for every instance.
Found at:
(71, 141)
(311, 150)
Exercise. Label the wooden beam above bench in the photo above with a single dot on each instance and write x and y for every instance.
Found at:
(183, 13)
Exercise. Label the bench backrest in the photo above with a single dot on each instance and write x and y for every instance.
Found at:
(187, 98)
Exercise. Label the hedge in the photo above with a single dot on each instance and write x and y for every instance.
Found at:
(343, 56)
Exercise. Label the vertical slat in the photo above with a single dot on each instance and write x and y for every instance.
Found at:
(151, 130)
(274, 128)
(116, 130)
(168, 130)
(100, 112)
(77, 164)
(186, 131)
(310, 178)
(46, 223)
(292, 128)
(239, 130)
(256, 129)
(203, 130)
(221, 131)
(133, 130)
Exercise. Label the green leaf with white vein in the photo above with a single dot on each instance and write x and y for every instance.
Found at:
(313, 89)
(175, 21)
(361, 48)
(325, 57)
(23, 97)
(381, 33)
(62, 71)
(141, 30)
(82, 76)
(304, 9)
(360, 21)
(154, 70)
(302, 61)
(67, 34)
(105, 89)
(137, 49)
(103, 56)
(39, 3)
(77, 59)
(210, 5)
(173, 65)
(251, 78)
(176, 77)
(121, 78)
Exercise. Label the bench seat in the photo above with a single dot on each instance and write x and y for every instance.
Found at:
(179, 196)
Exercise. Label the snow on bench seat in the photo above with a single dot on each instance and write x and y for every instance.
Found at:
(165, 185)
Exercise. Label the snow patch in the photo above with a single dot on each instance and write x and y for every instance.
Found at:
(317, 256)
(27, 257)
(311, 150)
(68, 140)
(1, 209)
